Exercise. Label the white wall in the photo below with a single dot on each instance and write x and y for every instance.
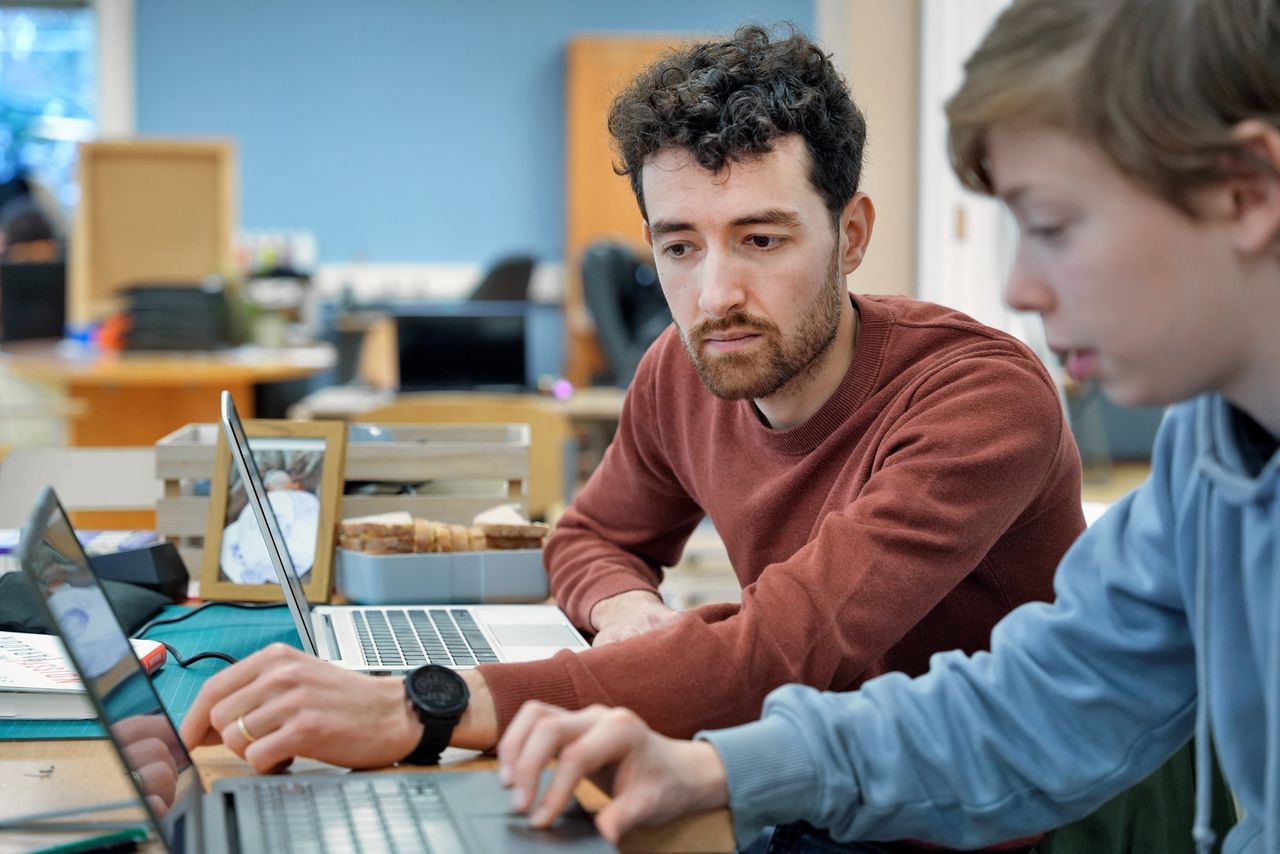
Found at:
(876, 45)
(115, 68)
(966, 241)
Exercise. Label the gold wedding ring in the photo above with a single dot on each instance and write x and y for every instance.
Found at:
(244, 730)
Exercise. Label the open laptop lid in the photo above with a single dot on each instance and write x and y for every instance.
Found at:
(242, 455)
(74, 605)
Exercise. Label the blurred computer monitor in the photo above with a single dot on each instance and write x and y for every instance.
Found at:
(33, 299)
(465, 344)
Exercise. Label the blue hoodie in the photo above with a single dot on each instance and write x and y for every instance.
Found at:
(1171, 598)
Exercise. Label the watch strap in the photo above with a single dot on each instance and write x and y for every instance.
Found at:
(435, 738)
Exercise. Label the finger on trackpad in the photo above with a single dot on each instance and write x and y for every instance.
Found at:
(513, 833)
(534, 634)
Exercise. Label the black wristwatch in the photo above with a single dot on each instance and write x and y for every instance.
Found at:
(439, 696)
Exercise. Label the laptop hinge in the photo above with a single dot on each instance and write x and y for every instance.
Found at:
(230, 822)
(330, 638)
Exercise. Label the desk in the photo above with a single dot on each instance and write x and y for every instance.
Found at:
(88, 772)
(135, 398)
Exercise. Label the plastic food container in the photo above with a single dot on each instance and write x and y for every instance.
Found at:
(494, 577)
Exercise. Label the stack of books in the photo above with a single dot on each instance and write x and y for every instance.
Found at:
(38, 683)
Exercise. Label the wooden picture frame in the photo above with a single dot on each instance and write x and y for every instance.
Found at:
(303, 463)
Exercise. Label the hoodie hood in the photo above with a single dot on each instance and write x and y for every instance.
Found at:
(1222, 462)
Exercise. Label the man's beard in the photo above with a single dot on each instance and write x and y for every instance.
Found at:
(763, 372)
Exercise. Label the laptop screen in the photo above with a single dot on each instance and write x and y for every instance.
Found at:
(256, 491)
(128, 706)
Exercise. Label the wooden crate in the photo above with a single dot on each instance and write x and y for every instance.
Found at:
(456, 470)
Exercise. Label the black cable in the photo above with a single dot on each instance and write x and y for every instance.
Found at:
(248, 606)
(187, 662)
(221, 656)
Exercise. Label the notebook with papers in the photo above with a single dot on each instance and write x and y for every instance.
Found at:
(387, 639)
(314, 811)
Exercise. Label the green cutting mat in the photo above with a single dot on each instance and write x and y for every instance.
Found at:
(235, 631)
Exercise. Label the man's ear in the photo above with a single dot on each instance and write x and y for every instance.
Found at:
(1255, 194)
(648, 235)
(856, 222)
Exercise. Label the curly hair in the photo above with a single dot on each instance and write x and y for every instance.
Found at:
(730, 100)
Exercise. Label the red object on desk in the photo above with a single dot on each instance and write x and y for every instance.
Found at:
(153, 659)
(114, 332)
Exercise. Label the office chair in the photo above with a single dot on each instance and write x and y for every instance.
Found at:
(506, 280)
(622, 293)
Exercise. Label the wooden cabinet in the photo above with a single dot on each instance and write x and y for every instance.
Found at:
(150, 212)
(598, 203)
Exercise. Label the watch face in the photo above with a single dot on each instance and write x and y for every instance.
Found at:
(439, 691)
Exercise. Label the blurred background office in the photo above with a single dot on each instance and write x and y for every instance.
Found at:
(396, 180)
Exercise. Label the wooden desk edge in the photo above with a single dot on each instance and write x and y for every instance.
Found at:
(695, 834)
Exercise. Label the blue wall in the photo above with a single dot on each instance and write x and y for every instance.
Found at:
(396, 130)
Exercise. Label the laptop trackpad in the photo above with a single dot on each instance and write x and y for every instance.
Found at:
(572, 832)
(534, 634)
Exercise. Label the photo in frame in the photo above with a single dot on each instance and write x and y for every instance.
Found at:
(302, 465)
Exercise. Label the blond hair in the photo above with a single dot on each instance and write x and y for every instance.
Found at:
(1157, 85)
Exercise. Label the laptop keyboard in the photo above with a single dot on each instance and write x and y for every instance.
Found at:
(411, 637)
(336, 815)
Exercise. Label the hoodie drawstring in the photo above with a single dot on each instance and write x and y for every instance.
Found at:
(1271, 781)
(1202, 830)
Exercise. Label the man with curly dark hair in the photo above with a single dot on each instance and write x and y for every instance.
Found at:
(889, 477)
(733, 100)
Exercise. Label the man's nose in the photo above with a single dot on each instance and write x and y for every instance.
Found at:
(723, 286)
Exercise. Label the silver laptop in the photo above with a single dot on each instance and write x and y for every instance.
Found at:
(325, 810)
(396, 639)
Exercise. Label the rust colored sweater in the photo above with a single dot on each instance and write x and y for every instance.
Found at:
(933, 493)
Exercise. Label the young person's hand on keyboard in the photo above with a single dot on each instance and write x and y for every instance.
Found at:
(652, 778)
(281, 703)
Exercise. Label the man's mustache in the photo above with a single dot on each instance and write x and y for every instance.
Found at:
(732, 322)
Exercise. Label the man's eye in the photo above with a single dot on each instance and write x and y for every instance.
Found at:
(764, 241)
(677, 250)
